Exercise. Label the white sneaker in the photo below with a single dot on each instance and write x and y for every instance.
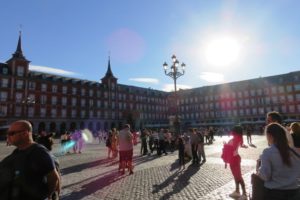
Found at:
(243, 197)
(235, 195)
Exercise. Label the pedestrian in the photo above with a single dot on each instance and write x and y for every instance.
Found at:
(249, 134)
(279, 166)
(201, 151)
(180, 145)
(144, 136)
(108, 144)
(194, 139)
(235, 164)
(34, 174)
(274, 116)
(125, 139)
(295, 132)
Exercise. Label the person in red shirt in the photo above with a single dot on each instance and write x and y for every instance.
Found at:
(235, 164)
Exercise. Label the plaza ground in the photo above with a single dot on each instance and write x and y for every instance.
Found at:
(91, 176)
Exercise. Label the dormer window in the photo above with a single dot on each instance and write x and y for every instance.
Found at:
(4, 70)
(20, 71)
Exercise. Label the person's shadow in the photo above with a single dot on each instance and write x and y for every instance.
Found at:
(180, 178)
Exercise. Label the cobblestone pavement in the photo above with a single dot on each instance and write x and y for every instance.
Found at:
(91, 176)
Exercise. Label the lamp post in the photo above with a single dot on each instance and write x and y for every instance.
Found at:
(175, 72)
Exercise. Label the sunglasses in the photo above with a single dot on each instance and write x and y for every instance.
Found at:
(11, 133)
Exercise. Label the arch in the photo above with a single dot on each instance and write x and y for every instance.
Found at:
(82, 126)
(98, 126)
(91, 126)
(73, 126)
(41, 127)
(63, 128)
(113, 125)
(106, 126)
(120, 126)
(52, 127)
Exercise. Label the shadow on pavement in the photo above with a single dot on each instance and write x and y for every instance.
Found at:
(94, 186)
(80, 167)
(180, 179)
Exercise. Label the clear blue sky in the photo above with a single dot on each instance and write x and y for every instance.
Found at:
(76, 37)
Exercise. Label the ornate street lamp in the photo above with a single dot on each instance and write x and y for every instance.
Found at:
(175, 72)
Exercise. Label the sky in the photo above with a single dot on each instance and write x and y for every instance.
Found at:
(219, 41)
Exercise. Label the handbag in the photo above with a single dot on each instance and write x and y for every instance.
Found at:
(257, 187)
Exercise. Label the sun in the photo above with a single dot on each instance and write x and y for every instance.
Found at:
(222, 51)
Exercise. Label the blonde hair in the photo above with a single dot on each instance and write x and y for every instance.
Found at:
(295, 127)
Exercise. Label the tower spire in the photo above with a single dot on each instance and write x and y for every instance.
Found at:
(19, 53)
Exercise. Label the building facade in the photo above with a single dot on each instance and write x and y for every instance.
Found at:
(56, 103)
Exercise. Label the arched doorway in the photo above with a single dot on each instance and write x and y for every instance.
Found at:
(98, 126)
(73, 126)
(52, 127)
(106, 126)
(91, 126)
(82, 126)
(63, 128)
(41, 127)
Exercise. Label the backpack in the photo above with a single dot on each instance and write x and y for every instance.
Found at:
(227, 153)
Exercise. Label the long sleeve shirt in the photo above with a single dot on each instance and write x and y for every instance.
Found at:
(275, 173)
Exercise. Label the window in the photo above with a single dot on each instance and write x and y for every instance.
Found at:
(53, 113)
(3, 111)
(44, 87)
(289, 88)
(63, 113)
(43, 99)
(73, 113)
(91, 93)
(5, 70)
(64, 101)
(91, 102)
(54, 100)
(82, 114)
(19, 97)
(292, 108)
(82, 91)
(273, 90)
(43, 112)
(64, 89)
(54, 88)
(74, 101)
(4, 83)
(297, 87)
(20, 71)
(19, 84)
(82, 102)
(280, 89)
(18, 111)
(31, 85)
(3, 96)
(31, 111)
(74, 91)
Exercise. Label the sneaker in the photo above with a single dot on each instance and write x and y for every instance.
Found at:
(235, 194)
(243, 197)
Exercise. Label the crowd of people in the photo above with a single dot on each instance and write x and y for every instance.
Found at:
(278, 166)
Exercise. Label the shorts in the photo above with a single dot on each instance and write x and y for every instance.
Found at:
(235, 167)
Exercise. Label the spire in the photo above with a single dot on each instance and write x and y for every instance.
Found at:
(19, 53)
(109, 72)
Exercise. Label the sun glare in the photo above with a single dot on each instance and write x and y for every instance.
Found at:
(222, 51)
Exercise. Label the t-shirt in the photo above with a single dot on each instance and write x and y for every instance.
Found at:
(32, 165)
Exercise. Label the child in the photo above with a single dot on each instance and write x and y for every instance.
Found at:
(181, 152)
(235, 164)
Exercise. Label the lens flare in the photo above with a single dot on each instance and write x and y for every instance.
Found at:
(87, 135)
(68, 145)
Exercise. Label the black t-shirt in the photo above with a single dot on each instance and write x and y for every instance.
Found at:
(296, 139)
(30, 167)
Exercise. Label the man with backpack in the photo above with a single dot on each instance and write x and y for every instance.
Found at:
(29, 171)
